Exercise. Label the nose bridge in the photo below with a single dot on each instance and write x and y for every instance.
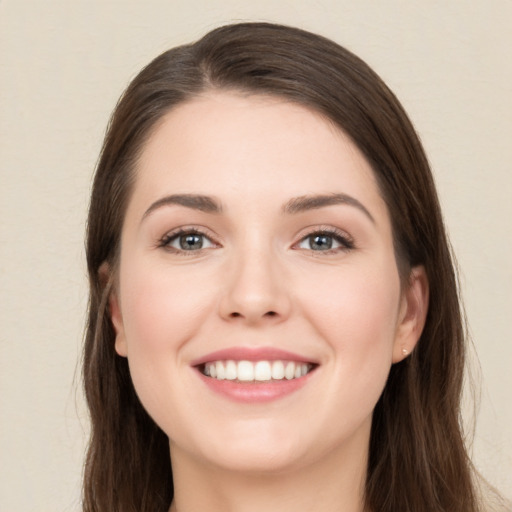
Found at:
(255, 286)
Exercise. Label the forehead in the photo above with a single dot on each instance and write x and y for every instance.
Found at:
(250, 146)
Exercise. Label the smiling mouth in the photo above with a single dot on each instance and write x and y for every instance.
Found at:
(256, 371)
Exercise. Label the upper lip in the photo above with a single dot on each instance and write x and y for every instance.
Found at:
(251, 354)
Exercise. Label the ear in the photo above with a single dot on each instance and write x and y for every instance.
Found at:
(114, 308)
(413, 313)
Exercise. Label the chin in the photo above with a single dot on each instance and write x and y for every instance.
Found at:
(256, 446)
(255, 460)
(264, 447)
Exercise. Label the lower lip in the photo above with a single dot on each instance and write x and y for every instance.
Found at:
(255, 392)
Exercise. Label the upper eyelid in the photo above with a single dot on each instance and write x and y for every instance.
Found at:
(217, 240)
(345, 239)
(331, 230)
(192, 228)
(172, 234)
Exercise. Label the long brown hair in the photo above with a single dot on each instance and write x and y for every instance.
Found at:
(418, 461)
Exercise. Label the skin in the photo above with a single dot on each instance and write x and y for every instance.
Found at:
(258, 281)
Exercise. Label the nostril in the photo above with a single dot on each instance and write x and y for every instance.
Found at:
(270, 314)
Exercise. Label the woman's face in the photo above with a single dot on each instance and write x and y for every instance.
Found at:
(259, 303)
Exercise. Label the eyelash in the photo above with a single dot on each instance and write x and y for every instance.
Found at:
(166, 240)
(346, 243)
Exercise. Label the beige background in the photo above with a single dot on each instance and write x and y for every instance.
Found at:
(63, 65)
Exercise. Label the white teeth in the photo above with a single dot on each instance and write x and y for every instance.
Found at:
(221, 374)
(277, 370)
(231, 373)
(261, 371)
(289, 371)
(245, 370)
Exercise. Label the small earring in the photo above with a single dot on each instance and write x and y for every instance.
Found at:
(405, 351)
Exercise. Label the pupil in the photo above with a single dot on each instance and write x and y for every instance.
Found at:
(189, 242)
(322, 242)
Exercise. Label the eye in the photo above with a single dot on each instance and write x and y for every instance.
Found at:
(186, 241)
(326, 241)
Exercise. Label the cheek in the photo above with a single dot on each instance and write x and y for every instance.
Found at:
(162, 311)
(162, 308)
(355, 295)
(356, 311)
(357, 317)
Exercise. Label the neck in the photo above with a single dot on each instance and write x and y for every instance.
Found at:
(334, 483)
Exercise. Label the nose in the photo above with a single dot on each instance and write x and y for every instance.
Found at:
(256, 290)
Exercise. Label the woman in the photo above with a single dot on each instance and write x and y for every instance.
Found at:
(273, 301)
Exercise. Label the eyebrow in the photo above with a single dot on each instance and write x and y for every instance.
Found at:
(194, 201)
(305, 203)
(293, 206)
